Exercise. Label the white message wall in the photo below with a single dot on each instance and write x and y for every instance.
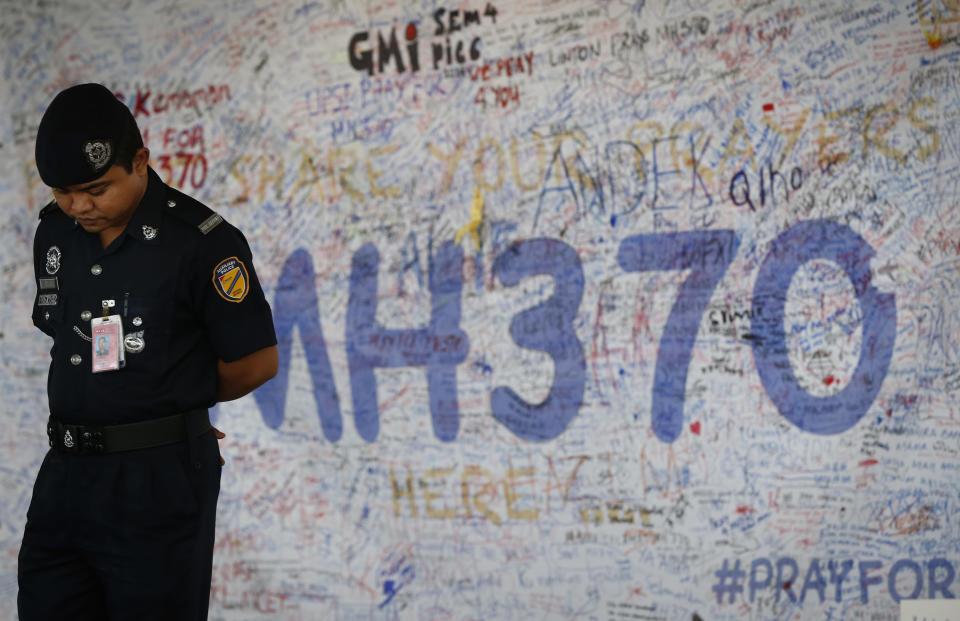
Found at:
(612, 310)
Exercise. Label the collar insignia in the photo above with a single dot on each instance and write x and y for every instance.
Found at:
(149, 232)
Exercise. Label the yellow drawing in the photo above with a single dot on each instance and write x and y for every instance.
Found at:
(934, 38)
(476, 219)
(938, 18)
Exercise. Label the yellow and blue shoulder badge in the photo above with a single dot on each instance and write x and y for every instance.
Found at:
(231, 280)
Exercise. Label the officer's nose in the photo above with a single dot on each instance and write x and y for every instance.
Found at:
(80, 204)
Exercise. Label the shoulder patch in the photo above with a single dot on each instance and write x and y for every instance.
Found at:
(231, 280)
(48, 209)
(191, 211)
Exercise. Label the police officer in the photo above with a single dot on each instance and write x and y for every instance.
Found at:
(121, 523)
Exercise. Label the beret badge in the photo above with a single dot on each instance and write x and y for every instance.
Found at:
(98, 153)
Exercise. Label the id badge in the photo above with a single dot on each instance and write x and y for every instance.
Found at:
(107, 343)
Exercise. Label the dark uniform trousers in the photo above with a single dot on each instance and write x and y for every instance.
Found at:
(122, 536)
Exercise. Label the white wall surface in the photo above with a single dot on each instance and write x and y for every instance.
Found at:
(759, 199)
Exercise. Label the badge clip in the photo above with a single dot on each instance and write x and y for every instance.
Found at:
(107, 305)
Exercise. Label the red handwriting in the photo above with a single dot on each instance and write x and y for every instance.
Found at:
(190, 166)
(184, 160)
(179, 139)
(144, 102)
(497, 96)
(497, 68)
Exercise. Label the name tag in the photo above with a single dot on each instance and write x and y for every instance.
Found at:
(107, 343)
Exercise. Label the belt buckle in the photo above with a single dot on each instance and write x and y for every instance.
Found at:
(76, 439)
(90, 440)
(68, 438)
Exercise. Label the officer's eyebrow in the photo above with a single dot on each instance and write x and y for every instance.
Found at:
(86, 188)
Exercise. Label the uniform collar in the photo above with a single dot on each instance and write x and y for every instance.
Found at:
(145, 224)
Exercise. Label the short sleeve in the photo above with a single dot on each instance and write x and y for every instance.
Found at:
(236, 315)
(39, 272)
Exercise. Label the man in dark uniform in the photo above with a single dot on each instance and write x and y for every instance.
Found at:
(121, 523)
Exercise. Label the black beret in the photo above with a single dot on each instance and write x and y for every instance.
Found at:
(80, 133)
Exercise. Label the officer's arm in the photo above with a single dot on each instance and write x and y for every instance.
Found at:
(240, 377)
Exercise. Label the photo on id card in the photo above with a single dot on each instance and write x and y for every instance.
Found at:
(107, 343)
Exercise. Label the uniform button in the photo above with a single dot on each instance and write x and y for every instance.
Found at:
(46, 315)
(75, 359)
(86, 315)
(171, 203)
(96, 270)
(137, 321)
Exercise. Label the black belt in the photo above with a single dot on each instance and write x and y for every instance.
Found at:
(95, 440)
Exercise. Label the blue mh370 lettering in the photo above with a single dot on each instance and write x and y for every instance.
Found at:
(549, 327)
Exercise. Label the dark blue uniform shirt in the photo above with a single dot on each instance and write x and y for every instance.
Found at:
(184, 285)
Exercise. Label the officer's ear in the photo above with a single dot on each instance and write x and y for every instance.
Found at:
(140, 161)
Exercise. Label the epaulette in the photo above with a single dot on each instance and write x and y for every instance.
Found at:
(48, 209)
(192, 211)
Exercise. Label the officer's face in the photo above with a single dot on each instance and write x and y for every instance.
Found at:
(106, 203)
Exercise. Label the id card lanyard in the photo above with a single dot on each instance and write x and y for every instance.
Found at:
(107, 354)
